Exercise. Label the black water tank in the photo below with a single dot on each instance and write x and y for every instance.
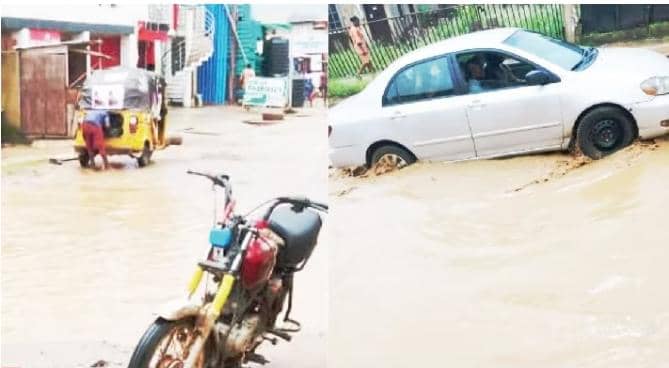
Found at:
(277, 60)
(298, 96)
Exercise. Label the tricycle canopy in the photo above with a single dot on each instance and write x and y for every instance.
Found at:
(122, 88)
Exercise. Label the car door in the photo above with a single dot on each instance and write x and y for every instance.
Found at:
(424, 106)
(506, 114)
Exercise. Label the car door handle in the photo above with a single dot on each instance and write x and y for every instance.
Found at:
(397, 115)
(476, 105)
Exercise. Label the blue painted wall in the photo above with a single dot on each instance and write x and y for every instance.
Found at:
(212, 76)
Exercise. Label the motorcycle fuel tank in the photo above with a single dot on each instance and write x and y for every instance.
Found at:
(258, 262)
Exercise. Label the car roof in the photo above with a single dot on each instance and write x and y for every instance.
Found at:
(480, 39)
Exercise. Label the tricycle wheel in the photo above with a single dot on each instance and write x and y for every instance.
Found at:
(84, 160)
(145, 158)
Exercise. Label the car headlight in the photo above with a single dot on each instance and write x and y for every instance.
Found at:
(655, 86)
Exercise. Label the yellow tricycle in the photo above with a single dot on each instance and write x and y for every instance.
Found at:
(136, 113)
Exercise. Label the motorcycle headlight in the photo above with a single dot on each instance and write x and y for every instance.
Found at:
(655, 86)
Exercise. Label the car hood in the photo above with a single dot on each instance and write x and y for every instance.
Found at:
(628, 63)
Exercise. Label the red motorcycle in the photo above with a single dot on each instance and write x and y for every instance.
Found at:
(251, 264)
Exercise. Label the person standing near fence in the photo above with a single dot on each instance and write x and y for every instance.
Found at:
(360, 45)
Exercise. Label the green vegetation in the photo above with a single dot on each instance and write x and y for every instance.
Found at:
(344, 87)
(12, 135)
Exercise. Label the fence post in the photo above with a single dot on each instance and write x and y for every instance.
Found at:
(570, 18)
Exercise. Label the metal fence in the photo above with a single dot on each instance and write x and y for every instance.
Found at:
(389, 38)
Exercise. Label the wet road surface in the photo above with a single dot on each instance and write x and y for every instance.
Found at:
(88, 256)
(535, 261)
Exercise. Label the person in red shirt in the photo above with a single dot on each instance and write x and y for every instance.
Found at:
(94, 136)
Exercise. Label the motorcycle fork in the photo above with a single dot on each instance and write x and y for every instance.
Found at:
(195, 281)
(209, 314)
(207, 317)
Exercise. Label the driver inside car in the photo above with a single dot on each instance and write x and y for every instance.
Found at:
(497, 70)
(475, 76)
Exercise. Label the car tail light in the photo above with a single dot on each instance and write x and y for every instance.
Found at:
(132, 124)
(329, 130)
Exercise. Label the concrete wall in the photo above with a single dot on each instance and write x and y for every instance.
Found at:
(310, 42)
(305, 39)
(11, 92)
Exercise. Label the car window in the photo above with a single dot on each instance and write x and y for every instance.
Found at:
(486, 71)
(558, 52)
(421, 81)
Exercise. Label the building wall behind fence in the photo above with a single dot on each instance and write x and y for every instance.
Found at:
(616, 17)
(212, 77)
(392, 37)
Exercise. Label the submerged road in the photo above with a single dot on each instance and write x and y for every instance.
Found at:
(87, 256)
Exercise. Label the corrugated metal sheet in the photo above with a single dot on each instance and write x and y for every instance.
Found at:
(43, 75)
(212, 76)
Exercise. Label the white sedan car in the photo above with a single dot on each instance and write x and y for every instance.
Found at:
(502, 92)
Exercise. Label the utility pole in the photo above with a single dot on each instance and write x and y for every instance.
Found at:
(570, 18)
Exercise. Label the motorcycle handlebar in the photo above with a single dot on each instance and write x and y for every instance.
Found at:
(304, 201)
(220, 180)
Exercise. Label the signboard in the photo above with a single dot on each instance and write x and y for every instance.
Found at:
(108, 96)
(266, 92)
(308, 42)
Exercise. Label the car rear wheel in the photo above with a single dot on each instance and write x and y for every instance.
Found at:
(389, 157)
(604, 131)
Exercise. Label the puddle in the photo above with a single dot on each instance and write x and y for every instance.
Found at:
(448, 263)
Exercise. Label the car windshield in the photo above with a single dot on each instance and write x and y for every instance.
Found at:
(561, 53)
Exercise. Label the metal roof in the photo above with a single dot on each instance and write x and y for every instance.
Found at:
(18, 23)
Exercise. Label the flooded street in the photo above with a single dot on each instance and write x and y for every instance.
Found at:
(535, 261)
(88, 256)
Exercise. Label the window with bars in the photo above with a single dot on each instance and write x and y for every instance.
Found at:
(333, 17)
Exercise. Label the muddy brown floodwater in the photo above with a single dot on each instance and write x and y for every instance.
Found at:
(88, 256)
(535, 261)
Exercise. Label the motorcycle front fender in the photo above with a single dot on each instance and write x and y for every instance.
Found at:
(179, 309)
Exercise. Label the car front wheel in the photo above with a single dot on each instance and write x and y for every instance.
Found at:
(604, 131)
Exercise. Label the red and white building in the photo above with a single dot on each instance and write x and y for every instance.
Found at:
(130, 35)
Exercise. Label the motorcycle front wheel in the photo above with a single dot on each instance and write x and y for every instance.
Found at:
(166, 344)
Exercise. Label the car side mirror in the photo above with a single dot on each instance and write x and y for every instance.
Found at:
(538, 78)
